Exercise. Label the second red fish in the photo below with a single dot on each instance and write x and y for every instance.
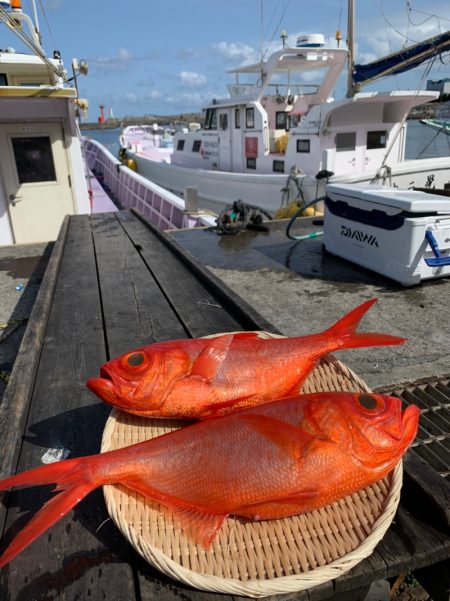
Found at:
(205, 377)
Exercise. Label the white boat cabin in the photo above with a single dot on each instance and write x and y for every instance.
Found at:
(42, 175)
(277, 119)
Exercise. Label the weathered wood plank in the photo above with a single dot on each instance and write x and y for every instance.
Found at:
(82, 556)
(242, 312)
(135, 310)
(393, 550)
(369, 569)
(195, 306)
(427, 545)
(426, 491)
(436, 580)
(16, 400)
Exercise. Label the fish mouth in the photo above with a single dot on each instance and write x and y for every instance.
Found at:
(410, 423)
(401, 425)
(110, 387)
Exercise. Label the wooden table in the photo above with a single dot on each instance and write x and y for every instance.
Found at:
(113, 283)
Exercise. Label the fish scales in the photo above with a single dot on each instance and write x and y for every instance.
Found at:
(270, 461)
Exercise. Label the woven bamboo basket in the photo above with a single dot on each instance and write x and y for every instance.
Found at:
(256, 559)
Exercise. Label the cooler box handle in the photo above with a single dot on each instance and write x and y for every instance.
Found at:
(438, 260)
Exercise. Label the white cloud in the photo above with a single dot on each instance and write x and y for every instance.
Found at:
(191, 79)
(124, 54)
(108, 63)
(381, 38)
(236, 52)
(153, 94)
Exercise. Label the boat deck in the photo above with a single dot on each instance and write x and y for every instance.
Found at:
(114, 282)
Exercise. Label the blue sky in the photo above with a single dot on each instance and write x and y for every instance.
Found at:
(167, 57)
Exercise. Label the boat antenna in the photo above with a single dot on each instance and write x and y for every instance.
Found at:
(261, 32)
(351, 47)
(36, 21)
(262, 45)
(11, 22)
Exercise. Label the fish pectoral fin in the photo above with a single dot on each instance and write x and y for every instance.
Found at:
(224, 407)
(291, 439)
(200, 526)
(211, 358)
(302, 495)
(197, 524)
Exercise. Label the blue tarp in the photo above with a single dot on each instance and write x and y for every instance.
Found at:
(403, 60)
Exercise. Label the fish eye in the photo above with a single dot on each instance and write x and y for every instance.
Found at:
(136, 359)
(367, 401)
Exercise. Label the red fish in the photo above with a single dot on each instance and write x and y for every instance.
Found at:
(278, 459)
(206, 377)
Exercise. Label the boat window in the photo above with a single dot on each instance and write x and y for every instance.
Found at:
(278, 166)
(303, 145)
(376, 139)
(345, 141)
(293, 120)
(280, 120)
(196, 145)
(237, 118)
(34, 159)
(211, 119)
(223, 121)
(251, 163)
(250, 117)
(3, 80)
(180, 145)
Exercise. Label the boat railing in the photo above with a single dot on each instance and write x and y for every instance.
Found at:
(129, 190)
(286, 90)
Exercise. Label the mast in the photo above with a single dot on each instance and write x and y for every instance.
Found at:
(351, 46)
(36, 22)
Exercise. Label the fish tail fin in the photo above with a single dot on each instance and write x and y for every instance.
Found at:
(72, 485)
(344, 331)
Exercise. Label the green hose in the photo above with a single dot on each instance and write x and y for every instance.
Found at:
(294, 217)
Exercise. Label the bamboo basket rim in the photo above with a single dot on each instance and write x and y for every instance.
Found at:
(330, 374)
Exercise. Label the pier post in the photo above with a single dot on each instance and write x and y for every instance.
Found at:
(191, 199)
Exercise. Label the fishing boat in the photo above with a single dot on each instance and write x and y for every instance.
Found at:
(47, 170)
(154, 141)
(441, 120)
(276, 138)
(442, 125)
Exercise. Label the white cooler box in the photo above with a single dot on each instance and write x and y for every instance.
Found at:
(402, 234)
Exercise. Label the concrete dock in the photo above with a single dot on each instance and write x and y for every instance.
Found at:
(302, 289)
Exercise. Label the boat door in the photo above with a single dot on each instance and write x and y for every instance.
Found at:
(346, 160)
(225, 143)
(34, 169)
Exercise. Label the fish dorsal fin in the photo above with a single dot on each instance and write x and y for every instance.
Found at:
(291, 439)
(199, 526)
(211, 358)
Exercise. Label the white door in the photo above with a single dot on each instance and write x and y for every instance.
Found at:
(33, 164)
(346, 159)
(225, 129)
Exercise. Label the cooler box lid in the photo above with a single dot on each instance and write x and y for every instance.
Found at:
(409, 201)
